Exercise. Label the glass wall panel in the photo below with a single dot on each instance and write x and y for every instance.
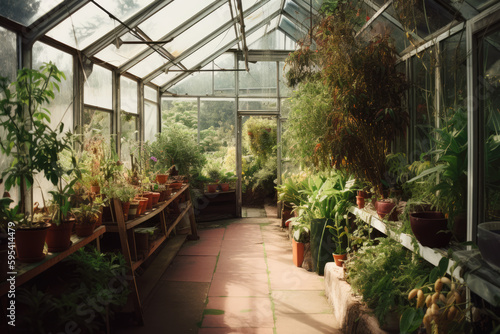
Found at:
(424, 92)
(224, 82)
(8, 54)
(128, 95)
(454, 75)
(217, 126)
(97, 122)
(198, 83)
(61, 107)
(8, 69)
(247, 104)
(98, 89)
(150, 94)
(150, 120)
(259, 81)
(182, 111)
(285, 91)
(129, 137)
(489, 103)
(26, 12)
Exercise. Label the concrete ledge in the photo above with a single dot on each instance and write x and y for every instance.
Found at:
(348, 310)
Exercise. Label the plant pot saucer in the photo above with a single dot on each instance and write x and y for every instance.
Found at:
(60, 249)
(31, 260)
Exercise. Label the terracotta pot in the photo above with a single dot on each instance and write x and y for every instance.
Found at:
(298, 253)
(162, 178)
(84, 229)
(30, 242)
(143, 204)
(156, 198)
(59, 236)
(385, 207)
(285, 215)
(211, 188)
(339, 259)
(176, 185)
(95, 189)
(430, 228)
(132, 211)
(360, 201)
(224, 186)
(125, 208)
(362, 193)
(149, 196)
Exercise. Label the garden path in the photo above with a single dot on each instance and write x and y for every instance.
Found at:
(238, 278)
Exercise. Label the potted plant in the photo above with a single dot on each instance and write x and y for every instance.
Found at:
(213, 177)
(340, 236)
(86, 218)
(32, 144)
(225, 179)
(124, 192)
(300, 236)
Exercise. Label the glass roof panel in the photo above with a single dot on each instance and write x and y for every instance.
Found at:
(170, 17)
(209, 48)
(481, 4)
(86, 26)
(164, 78)
(297, 12)
(148, 64)
(291, 29)
(197, 32)
(382, 26)
(118, 56)
(26, 12)
(261, 14)
(150, 94)
(123, 9)
(424, 18)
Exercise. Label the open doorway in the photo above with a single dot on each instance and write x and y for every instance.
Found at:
(258, 163)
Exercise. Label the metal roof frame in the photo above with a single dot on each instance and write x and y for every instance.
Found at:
(198, 45)
(221, 50)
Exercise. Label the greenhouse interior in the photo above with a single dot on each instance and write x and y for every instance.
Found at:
(250, 166)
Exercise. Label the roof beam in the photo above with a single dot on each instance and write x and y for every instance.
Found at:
(135, 20)
(217, 53)
(51, 19)
(173, 34)
(198, 45)
(242, 31)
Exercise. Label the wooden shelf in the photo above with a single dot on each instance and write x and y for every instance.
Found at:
(26, 271)
(156, 244)
(178, 219)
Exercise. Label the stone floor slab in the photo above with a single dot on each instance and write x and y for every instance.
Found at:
(239, 312)
(191, 269)
(239, 285)
(235, 331)
(306, 323)
(202, 247)
(311, 301)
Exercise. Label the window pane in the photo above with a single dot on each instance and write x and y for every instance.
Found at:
(150, 120)
(98, 89)
(128, 89)
(150, 94)
(8, 54)
(217, 131)
(224, 82)
(61, 107)
(118, 56)
(148, 64)
(129, 137)
(259, 81)
(489, 86)
(96, 122)
(123, 9)
(198, 83)
(454, 76)
(284, 89)
(26, 12)
(257, 105)
(181, 111)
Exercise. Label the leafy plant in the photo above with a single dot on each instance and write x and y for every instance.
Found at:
(301, 232)
(440, 304)
(340, 233)
(29, 139)
(383, 274)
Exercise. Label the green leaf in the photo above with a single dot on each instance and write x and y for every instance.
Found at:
(411, 320)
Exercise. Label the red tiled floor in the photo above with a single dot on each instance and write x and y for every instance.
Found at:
(239, 285)
(239, 312)
(235, 331)
(242, 265)
(191, 269)
(201, 247)
(213, 233)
